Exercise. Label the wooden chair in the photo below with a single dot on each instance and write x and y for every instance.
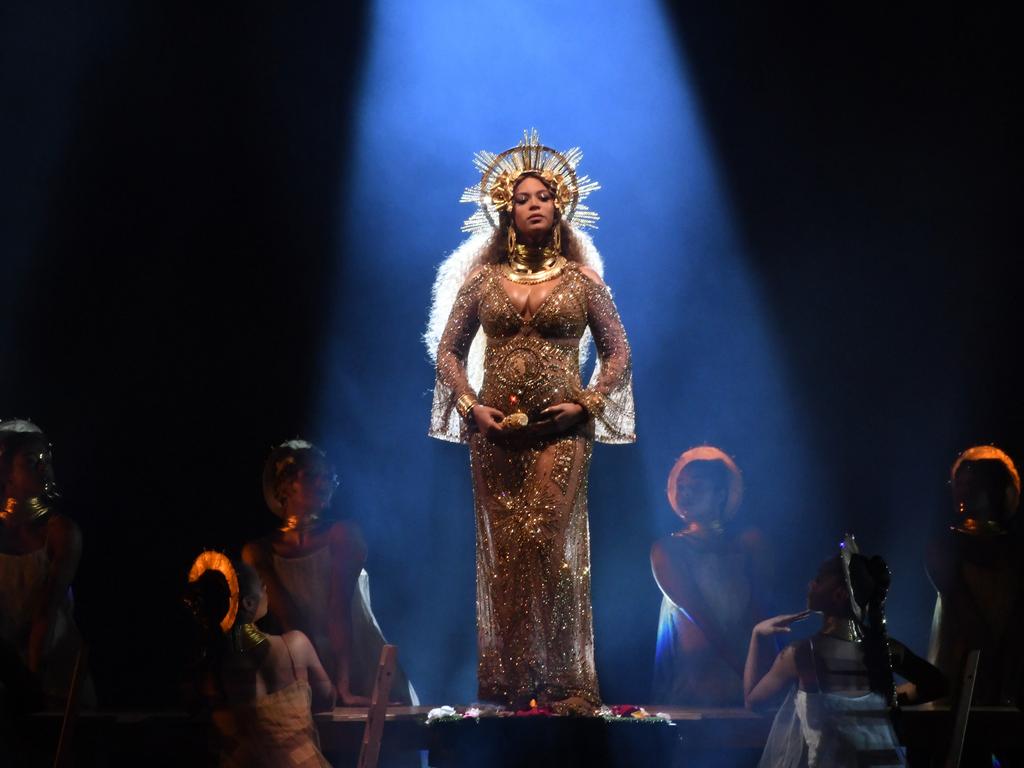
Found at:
(369, 752)
(962, 710)
(63, 757)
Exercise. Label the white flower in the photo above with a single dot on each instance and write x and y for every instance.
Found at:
(440, 712)
(472, 712)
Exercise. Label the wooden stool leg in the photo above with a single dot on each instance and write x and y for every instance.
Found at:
(369, 753)
(963, 710)
(67, 728)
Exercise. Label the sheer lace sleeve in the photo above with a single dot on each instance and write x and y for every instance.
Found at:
(609, 396)
(452, 381)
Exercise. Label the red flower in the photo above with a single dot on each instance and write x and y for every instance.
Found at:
(624, 710)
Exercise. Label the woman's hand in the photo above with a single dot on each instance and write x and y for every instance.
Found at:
(488, 420)
(348, 699)
(778, 625)
(562, 417)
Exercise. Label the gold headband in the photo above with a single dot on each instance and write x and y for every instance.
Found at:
(987, 452)
(501, 173)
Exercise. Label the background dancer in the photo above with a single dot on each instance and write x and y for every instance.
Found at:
(264, 687)
(840, 680)
(710, 574)
(313, 568)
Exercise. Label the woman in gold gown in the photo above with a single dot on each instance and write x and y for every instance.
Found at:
(532, 286)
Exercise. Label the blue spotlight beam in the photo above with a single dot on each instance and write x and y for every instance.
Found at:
(442, 81)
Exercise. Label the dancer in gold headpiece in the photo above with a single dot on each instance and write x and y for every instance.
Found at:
(265, 687)
(517, 303)
(712, 575)
(313, 569)
(977, 567)
(40, 548)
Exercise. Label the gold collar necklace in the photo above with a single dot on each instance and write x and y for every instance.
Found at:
(973, 527)
(247, 637)
(24, 511)
(300, 524)
(713, 527)
(532, 264)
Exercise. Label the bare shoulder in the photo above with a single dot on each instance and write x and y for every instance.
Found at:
(299, 646)
(661, 551)
(591, 275)
(941, 563)
(668, 563)
(346, 536)
(63, 533)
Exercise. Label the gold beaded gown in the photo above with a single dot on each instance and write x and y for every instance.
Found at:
(534, 621)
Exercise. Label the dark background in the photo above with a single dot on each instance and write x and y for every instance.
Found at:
(169, 185)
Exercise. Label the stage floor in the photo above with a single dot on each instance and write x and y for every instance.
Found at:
(115, 738)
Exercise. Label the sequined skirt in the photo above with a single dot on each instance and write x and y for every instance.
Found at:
(534, 620)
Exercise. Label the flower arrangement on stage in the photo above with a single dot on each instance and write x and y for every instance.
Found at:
(631, 712)
(617, 713)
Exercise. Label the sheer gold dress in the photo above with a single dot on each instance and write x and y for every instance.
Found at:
(534, 621)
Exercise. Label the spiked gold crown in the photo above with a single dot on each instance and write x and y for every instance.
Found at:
(501, 173)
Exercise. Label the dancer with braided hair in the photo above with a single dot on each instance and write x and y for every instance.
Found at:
(840, 680)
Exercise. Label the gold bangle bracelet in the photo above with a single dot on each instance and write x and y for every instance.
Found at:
(465, 404)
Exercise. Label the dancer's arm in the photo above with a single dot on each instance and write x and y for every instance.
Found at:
(924, 681)
(348, 555)
(64, 550)
(304, 654)
(761, 682)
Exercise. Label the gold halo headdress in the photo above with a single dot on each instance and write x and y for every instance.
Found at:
(500, 173)
(708, 453)
(26, 436)
(280, 459)
(991, 453)
(218, 561)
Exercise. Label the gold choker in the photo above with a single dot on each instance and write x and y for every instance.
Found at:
(247, 637)
(974, 527)
(20, 512)
(300, 524)
(534, 265)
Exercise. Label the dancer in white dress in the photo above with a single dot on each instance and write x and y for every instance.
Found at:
(840, 681)
(313, 570)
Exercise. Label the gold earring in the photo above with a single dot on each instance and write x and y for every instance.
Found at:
(511, 240)
(557, 239)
